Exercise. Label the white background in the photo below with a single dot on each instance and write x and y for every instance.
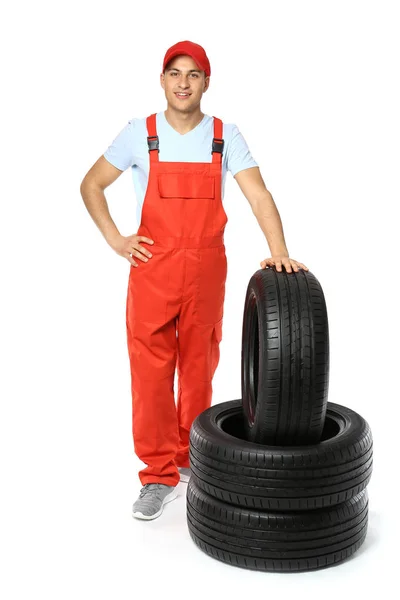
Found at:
(313, 87)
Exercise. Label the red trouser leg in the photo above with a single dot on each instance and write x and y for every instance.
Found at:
(198, 357)
(153, 354)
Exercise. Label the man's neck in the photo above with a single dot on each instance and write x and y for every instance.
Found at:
(183, 122)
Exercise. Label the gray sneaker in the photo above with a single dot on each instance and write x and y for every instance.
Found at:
(184, 473)
(151, 500)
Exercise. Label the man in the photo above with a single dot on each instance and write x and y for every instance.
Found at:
(176, 289)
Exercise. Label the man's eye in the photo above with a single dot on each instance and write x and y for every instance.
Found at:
(194, 74)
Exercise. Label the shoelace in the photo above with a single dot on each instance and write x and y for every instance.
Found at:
(149, 487)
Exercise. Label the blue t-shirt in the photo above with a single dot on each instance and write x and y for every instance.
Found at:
(130, 149)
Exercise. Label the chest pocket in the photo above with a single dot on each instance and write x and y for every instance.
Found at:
(184, 185)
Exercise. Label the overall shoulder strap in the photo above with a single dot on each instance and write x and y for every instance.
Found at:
(152, 137)
(218, 142)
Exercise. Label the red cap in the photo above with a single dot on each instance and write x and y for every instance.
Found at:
(191, 49)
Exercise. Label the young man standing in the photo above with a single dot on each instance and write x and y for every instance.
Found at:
(176, 289)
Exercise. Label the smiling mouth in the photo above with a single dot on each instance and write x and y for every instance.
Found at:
(181, 95)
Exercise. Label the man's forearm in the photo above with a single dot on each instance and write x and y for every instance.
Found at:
(96, 204)
(270, 222)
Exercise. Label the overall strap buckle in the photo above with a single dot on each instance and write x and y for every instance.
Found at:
(153, 143)
(218, 145)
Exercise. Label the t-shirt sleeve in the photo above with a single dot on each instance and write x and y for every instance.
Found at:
(120, 152)
(238, 154)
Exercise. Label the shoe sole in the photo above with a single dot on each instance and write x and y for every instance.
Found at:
(171, 496)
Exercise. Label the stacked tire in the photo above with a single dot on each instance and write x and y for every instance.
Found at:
(279, 477)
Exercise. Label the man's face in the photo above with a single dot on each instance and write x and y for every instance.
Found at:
(183, 75)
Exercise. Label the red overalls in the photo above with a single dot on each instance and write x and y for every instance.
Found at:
(174, 306)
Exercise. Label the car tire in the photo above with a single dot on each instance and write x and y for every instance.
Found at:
(285, 358)
(270, 541)
(284, 478)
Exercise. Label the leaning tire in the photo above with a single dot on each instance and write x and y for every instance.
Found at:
(285, 358)
(269, 541)
(283, 478)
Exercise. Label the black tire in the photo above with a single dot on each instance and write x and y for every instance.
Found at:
(285, 358)
(282, 478)
(268, 541)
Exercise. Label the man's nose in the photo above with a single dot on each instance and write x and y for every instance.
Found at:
(184, 82)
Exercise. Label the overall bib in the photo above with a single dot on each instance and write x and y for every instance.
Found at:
(174, 307)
